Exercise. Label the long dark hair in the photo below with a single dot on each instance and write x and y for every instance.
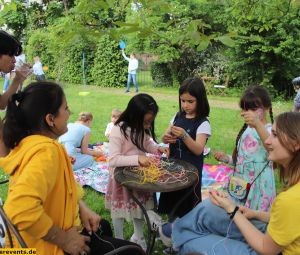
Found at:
(133, 118)
(196, 88)
(26, 111)
(9, 45)
(253, 98)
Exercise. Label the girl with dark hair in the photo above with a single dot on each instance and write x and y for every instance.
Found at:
(44, 201)
(219, 227)
(250, 157)
(9, 48)
(130, 138)
(187, 135)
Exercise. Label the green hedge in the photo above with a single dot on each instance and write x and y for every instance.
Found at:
(109, 68)
(161, 75)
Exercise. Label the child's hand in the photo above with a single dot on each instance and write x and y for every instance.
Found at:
(169, 138)
(252, 118)
(221, 199)
(73, 160)
(177, 131)
(145, 161)
(221, 156)
(164, 150)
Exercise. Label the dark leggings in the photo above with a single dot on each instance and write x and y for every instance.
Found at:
(103, 242)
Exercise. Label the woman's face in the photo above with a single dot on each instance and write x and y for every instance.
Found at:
(148, 119)
(277, 152)
(7, 63)
(61, 120)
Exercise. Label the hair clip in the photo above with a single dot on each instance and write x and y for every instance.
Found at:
(18, 97)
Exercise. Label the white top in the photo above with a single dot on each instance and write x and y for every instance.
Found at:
(38, 68)
(204, 128)
(108, 129)
(133, 64)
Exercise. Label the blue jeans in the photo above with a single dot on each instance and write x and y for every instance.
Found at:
(6, 84)
(133, 77)
(204, 230)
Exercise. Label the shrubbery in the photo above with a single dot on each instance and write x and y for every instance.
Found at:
(109, 67)
(161, 75)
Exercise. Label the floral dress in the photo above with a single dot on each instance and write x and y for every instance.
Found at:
(251, 160)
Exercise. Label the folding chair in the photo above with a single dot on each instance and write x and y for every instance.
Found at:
(6, 227)
(222, 87)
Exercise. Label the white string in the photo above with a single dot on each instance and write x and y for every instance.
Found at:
(226, 237)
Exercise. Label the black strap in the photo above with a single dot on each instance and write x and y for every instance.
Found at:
(231, 215)
(260, 173)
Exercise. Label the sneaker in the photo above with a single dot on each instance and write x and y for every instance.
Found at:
(136, 91)
(141, 242)
(126, 91)
(170, 251)
(167, 241)
(156, 224)
(155, 220)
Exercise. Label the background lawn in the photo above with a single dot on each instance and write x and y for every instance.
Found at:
(224, 118)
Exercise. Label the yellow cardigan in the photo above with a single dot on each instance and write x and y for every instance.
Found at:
(42, 190)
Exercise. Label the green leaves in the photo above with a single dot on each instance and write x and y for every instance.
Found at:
(226, 40)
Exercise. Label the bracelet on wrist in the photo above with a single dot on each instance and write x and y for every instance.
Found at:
(184, 136)
(231, 215)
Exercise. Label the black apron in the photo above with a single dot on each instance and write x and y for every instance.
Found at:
(179, 150)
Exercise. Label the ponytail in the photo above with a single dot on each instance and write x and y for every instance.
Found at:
(235, 151)
(15, 126)
(26, 111)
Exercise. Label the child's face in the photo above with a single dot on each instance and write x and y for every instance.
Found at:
(188, 103)
(259, 112)
(114, 117)
(148, 119)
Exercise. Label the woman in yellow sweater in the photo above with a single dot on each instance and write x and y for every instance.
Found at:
(43, 199)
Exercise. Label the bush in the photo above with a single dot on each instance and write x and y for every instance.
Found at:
(70, 65)
(110, 68)
(161, 75)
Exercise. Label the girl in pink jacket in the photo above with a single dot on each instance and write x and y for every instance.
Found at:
(130, 139)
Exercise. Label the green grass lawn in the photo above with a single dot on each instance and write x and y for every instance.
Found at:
(224, 118)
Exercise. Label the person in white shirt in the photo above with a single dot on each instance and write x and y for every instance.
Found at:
(115, 114)
(133, 65)
(38, 72)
